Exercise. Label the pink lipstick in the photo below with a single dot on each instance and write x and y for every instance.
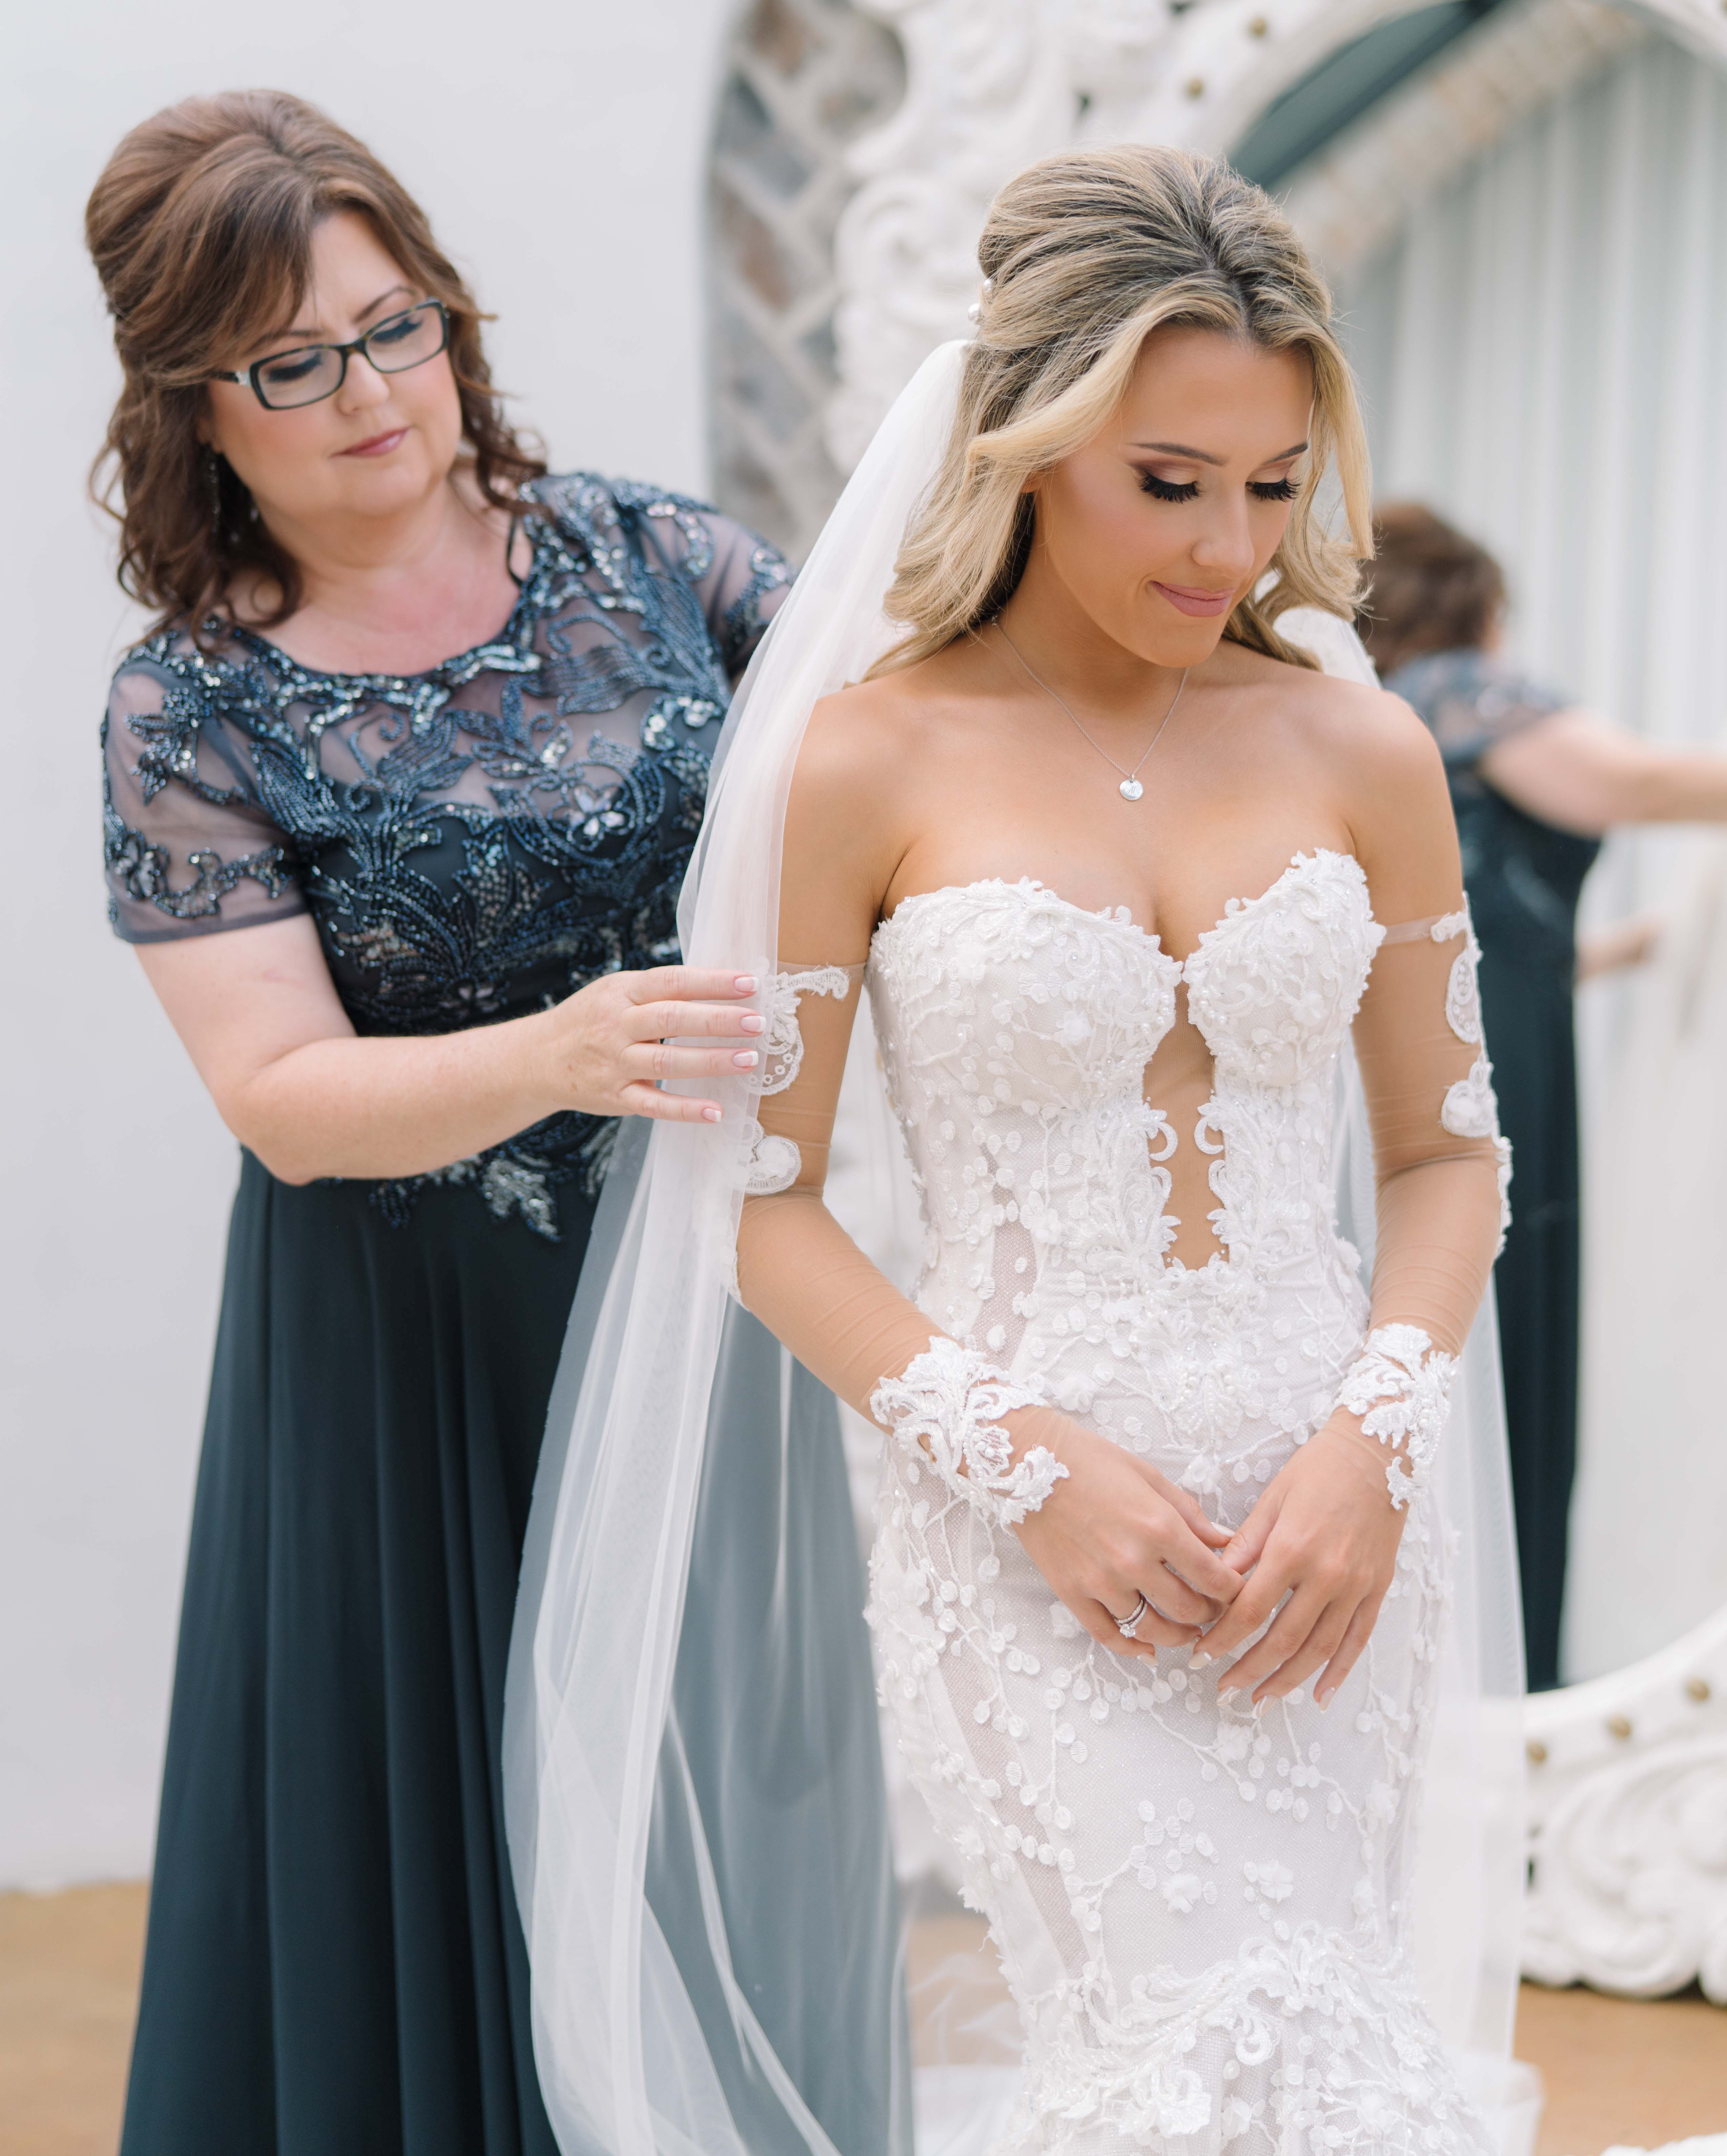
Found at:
(1187, 599)
(377, 445)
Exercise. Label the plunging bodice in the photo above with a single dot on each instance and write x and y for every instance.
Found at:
(1017, 1027)
(1201, 1909)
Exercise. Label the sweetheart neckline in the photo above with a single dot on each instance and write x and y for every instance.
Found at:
(1113, 917)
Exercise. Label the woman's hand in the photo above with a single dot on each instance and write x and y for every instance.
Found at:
(261, 1017)
(1326, 1534)
(1114, 1529)
(605, 1050)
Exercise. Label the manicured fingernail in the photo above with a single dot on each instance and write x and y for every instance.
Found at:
(746, 1059)
(1227, 1690)
(750, 1022)
(1325, 1698)
(744, 984)
(1259, 1707)
(710, 1115)
(1198, 1659)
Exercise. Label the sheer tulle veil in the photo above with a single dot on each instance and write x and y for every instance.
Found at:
(654, 1950)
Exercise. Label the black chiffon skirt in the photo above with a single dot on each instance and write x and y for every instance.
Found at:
(334, 1964)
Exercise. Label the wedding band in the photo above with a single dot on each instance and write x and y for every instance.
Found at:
(1129, 1626)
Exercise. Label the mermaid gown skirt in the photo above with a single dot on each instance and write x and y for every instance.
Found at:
(1201, 1913)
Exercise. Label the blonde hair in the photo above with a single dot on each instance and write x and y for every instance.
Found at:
(1085, 254)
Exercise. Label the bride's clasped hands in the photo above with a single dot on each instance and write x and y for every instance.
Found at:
(1316, 1556)
(1116, 1530)
(1301, 1579)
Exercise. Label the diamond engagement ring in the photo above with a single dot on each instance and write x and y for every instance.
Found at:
(1129, 1626)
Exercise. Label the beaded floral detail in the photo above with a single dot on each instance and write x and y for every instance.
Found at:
(474, 842)
(942, 1409)
(1400, 1387)
(1202, 1911)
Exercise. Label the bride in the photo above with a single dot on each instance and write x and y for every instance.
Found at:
(1160, 1571)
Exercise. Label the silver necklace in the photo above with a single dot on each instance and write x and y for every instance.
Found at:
(1131, 788)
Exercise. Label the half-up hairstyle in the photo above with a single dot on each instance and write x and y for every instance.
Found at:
(1085, 254)
(200, 230)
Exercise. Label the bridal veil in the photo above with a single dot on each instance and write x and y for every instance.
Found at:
(695, 1813)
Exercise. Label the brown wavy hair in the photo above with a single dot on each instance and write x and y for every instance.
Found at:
(1431, 588)
(201, 229)
(1083, 255)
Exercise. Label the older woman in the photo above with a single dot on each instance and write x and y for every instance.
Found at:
(400, 790)
(1536, 783)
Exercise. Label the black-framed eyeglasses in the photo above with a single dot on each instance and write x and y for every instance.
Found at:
(313, 371)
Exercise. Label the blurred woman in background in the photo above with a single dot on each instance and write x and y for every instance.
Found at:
(1537, 782)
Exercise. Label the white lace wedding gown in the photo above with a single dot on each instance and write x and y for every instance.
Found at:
(1202, 1913)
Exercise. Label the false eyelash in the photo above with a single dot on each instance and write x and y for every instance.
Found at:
(1275, 489)
(1163, 490)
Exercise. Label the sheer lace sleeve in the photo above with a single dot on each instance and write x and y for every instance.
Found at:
(1441, 1166)
(800, 1272)
(190, 846)
(740, 591)
(797, 1268)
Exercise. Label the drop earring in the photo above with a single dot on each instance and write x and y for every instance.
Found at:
(212, 485)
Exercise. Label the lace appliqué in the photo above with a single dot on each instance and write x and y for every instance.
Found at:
(1400, 1388)
(1471, 1110)
(944, 1404)
(782, 1048)
(773, 1162)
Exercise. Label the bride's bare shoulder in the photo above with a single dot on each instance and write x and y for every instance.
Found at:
(1356, 727)
(868, 741)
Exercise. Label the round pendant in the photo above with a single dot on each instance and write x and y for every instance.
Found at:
(1131, 789)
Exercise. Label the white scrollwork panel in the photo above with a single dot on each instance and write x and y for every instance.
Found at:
(987, 91)
(993, 84)
(1629, 1824)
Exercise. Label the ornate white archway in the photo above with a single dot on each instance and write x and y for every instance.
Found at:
(992, 83)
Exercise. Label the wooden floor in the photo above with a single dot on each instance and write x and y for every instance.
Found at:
(1617, 2071)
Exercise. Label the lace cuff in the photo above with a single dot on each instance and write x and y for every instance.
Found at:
(942, 1409)
(1400, 1385)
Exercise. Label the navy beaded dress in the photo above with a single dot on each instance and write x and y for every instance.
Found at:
(334, 1965)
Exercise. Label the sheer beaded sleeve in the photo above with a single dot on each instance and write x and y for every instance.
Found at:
(1470, 702)
(190, 844)
(741, 590)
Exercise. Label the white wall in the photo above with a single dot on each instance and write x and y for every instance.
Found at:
(559, 147)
